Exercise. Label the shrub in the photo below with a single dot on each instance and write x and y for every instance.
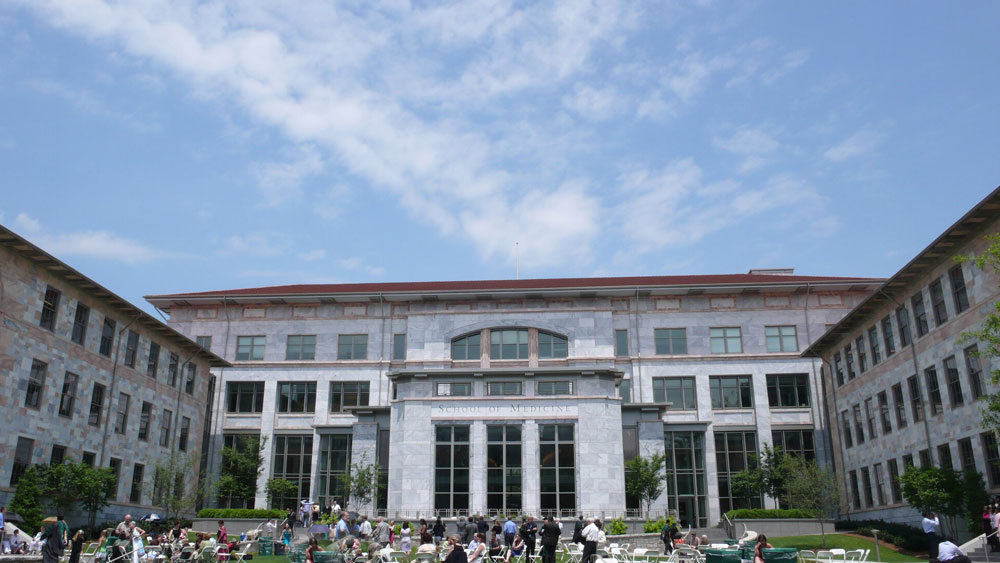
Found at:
(223, 513)
(769, 513)
(902, 535)
(656, 526)
(617, 527)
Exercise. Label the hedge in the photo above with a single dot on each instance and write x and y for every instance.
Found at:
(223, 513)
(768, 513)
(907, 537)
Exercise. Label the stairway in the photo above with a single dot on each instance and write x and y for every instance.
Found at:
(979, 555)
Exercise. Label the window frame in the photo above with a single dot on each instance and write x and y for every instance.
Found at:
(959, 293)
(551, 388)
(500, 388)
(557, 344)
(621, 343)
(781, 338)
(501, 347)
(686, 387)
(121, 412)
(451, 385)
(887, 337)
(96, 404)
(107, 337)
(933, 390)
(362, 389)
(36, 384)
(669, 341)
(938, 302)
(744, 384)
(352, 347)
(899, 405)
(920, 319)
(465, 344)
(873, 345)
(288, 390)
(50, 308)
(799, 385)
(304, 345)
(153, 360)
(81, 320)
(399, 346)
(249, 349)
(974, 369)
(166, 424)
(145, 420)
(884, 412)
(236, 393)
(903, 321)
(131, 349)
(956, 395)
(726, 338)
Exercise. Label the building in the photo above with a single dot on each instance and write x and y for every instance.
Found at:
(521, 396)
(90, 377)
(903, 386)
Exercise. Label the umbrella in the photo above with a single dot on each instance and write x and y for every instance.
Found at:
(50, 520)
(319, 529)
(13, 517)
(150, 518)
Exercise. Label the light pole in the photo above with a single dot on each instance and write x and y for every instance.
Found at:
(878, 556)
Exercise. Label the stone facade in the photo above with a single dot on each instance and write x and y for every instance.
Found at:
(51, 416)
(609, 328)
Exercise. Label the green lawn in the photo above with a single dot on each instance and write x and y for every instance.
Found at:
(842, 541)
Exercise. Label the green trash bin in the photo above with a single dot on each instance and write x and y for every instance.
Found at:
(722, 556)
(781, 555)
(265, 546)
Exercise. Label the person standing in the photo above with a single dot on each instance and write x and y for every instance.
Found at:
(365, 530)
(125, 526)
(590, 533)
(482, 525)
(76, 546)
(438, 530)
(382, 531)
(578, 530)
(528, 531)
(341, 530)
(931, 525)
(550, 539)
(509, 530)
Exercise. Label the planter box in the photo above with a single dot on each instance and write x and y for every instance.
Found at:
(234, 526)
(780, 527)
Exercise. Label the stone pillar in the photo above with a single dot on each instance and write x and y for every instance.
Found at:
(711, 477)
(600, 463)
(267, 434)
(530, 464)
(650, 444)
(364, 449)
(411, 460)
(762, 416)
(477, 468)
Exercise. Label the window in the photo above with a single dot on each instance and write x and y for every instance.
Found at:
(509, 344)
(958, 294)
(975, 370)
(36, 383)
(107, 337)
(296, 397)
(849, 355)
(621, 343)
(245, 397)
(552, 346)
(788, 390)
(862, 355)
(154, 359)
(870, 416)
(348, 394)
(204, 341)
(679, 391)
(88, 459)
(451, 468)
(916, 399)
(453, 389)
(352, 347)
(795, 442)
(989, 450)
(685, 470)
(674, 340)
(625, 391)
(144, 415)
(96, 405)
(503, 388)
(726, 340)
(554, 388)
(116, 469)
(967, 456)
(58, 455)
(399, 346)
(838, 369)
(80, 321)
(938, 304)
(165, 422)
(883, 409)
(192, 373)
(182, 440)
(22, 458)
(874, 345)
(301, 347)
(903, 320)
(68, 397)
(131, 348)
(899, 403)
(172, 369)
(466, 348)
(334, 461)
(731, 392)
(859, 427)
(887, 337)
(845, 427)
(933, 391)
(855, 495)
(925, 458)
(503, 468)
(250, 348)
(50, 306)
(879, 484)
(121, 416)
(557, 475)
(954, 381)
(897, 491)
(733, 454)
(866, 480)
(907, 461)
(919, 314)
(135, 493)
(944, 457)
(781, 339)
(293, 462)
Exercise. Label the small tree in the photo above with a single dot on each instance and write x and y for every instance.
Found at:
(360, 483)
(278, 489)
(170, 490)
(241, 467)
(644, 479)
(94, 489)
(765, 476)
(813, 487)
(27, 494)
(934, 489)
(60, 484)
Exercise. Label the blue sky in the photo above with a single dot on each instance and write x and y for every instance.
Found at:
(181, 146)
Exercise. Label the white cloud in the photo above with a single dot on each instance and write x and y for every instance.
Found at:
(593, 103)
(861, 143)
(86, 101)
(258, 244)
(746, 141)
(100, 244)
(312, 255)
(356, 264)
(281, 181)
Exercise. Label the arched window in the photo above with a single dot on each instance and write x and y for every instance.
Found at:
(552, 345)
(509, 344)
(466, 347)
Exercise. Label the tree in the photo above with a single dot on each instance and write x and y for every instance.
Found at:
(278, 489)
(813, 487)
(241, 467)
(94, 489)
(360, 483)
(765, 476)
(988, 336)
(60, 484)
(170, 485)
(935, 489)
(26, 503)
(644, 478)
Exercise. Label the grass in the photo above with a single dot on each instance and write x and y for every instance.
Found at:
(843, 541)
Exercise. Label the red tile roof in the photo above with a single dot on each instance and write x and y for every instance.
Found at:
(522, 285)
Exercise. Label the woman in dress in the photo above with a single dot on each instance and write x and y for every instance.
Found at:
(477, 548)
(286, 535)
(456, 553)
(76, 546)
(517, 548)
(758, 550)
(138, 548)
(404, 534)
(313, 548)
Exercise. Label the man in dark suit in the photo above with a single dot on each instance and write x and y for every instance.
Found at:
(528, 531)
(550, 539)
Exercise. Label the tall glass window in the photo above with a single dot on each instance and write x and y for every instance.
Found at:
(557, 453)
(903, 320)
(509, 344)
(795, 442)
(348, 394)
(958, 293)
(451, 469)
(250, 348)
(791, 390)
(466, 348)
(334, 461)
(68, 397)
(293, 462)
(733, 451)
(679, 391)
(296, 397)
(301, 347)
(552, 345)
(685, 469)
(890, 342)
(731, 392)
(975, 370)
(245, 397)
(670, 341)
(503, 468)
(781, 338)
(726, 340)
(80, 321)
